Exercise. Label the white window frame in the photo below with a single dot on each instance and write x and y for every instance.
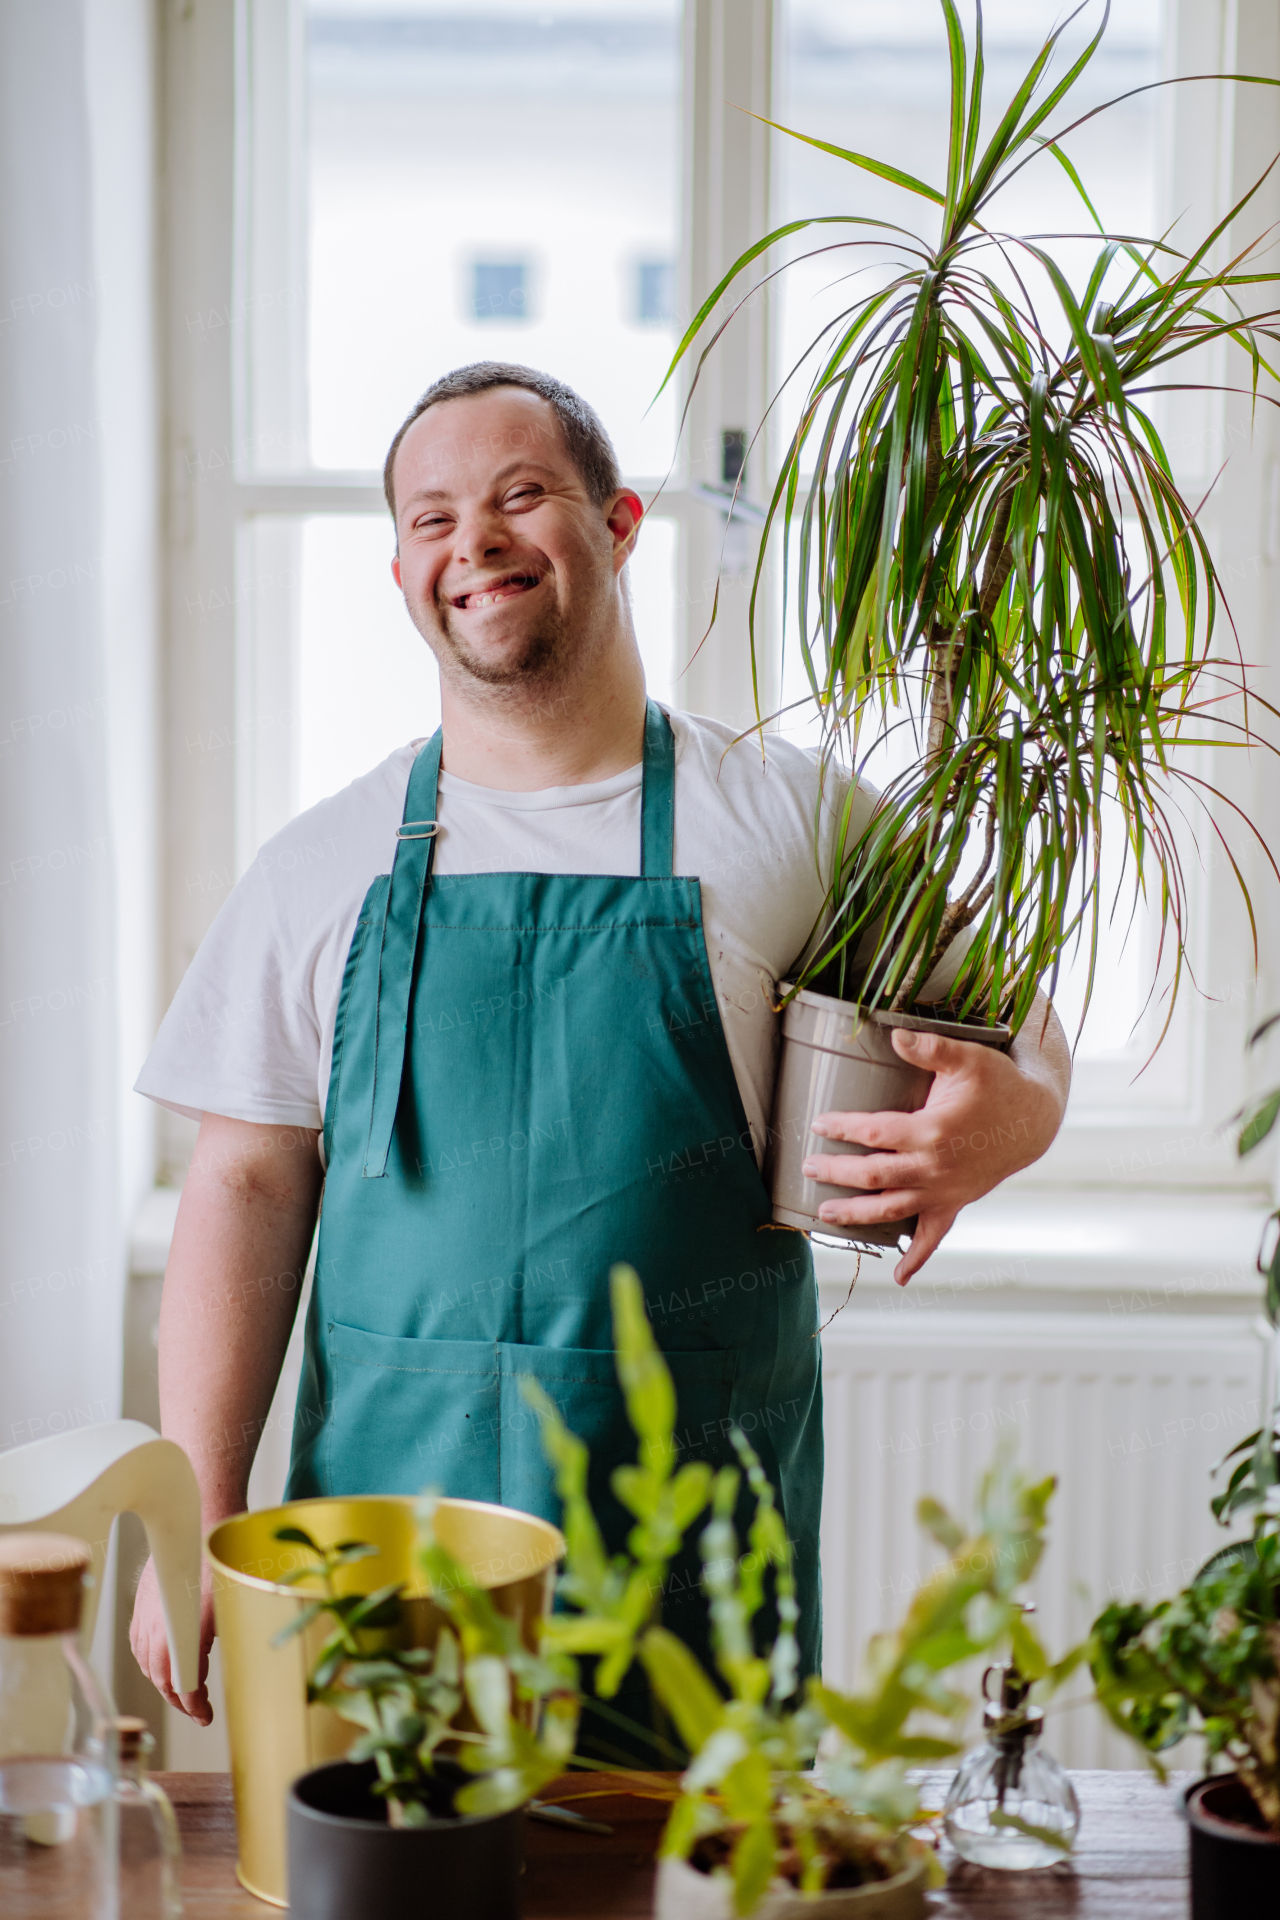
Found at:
(230, 690)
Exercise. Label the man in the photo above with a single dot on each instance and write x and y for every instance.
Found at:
(494, 1059)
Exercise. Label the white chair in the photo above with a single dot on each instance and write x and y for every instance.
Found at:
(78, 1482)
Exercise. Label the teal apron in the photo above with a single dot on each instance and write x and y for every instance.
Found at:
(530, 1082)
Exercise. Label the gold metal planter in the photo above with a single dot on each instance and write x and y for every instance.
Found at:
(274, 1735)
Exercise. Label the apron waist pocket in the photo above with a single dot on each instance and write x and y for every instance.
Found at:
(407, 1413)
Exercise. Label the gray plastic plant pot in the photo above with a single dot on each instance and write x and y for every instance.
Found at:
(682, 1893)
(346, 1863)
(837, 1057)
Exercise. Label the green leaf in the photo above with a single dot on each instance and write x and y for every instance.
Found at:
(299, 1625)
(297, 1538)
(374, 1611)
(851, 1716)
(1048, 1836)
(498, 1792)
(681, 1686)
(754, 1860)
(881, 168)
(643, 1373)
(958, 54)
(681, 1830)
(488, 1690)
(1062, 1670)
(1272, 1298)
(1258, 1123)
(935, 1519)
(747, 1788)
(1028, 1654)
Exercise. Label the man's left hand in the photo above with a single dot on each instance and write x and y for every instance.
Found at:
(988, 1114)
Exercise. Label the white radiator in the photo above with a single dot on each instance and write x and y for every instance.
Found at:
(1128, 1410)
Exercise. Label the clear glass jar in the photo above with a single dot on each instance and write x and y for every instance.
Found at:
(150, 1851)
(1011, 1804)
(58, 1830)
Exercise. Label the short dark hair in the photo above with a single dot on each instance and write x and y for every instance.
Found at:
(590, 447)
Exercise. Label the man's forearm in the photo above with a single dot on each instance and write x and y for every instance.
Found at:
(235, 1271)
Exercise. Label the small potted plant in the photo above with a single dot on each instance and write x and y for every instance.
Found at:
(1208, 1661)
(424, 1813)
(988, 555)
(754, 1828)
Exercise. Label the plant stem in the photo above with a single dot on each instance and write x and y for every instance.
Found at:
(942, 687)
(946, 661)
(999, 557)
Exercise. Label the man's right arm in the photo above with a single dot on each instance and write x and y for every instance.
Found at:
(240, 1248)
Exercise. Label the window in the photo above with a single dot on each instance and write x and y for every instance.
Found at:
(500, 290)
(450, 216)
(410, 194)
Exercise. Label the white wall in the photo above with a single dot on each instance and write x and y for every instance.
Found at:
(61, 1252)
(120, 75)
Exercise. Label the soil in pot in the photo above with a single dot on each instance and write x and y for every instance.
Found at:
(1235, 1858)
(347, 1863)
(838, 1058)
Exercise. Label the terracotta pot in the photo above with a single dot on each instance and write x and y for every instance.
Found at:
(839, 1058)
(346, 1863)
(1235, 1859)
(682, 1893)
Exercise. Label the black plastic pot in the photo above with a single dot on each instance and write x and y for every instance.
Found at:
(1235, 1859)
(346, 1863)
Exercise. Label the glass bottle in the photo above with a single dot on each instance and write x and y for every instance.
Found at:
(1011, 1804)
(150, 1850)
(58, 1834)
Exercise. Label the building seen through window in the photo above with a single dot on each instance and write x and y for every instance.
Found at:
(500, 290)
(655, 291)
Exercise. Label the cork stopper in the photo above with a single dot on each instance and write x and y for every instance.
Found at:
(135, 1737)
(41, 1582)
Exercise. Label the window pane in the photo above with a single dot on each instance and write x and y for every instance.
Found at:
(876, 78)
(651, 574)
(367, 680)
(491, 181)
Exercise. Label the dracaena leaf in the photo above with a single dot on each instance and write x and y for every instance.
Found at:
(1258, 1123)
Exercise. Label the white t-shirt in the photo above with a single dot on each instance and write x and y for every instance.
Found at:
(250, 1030)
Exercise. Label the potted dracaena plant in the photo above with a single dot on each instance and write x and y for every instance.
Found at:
(985, 544)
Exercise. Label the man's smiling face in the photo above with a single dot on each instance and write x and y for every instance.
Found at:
(509, 569)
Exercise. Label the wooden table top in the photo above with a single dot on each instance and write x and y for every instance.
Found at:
(1130, 1859)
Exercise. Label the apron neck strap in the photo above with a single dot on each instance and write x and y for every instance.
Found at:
(658, 797)
(415, 849)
